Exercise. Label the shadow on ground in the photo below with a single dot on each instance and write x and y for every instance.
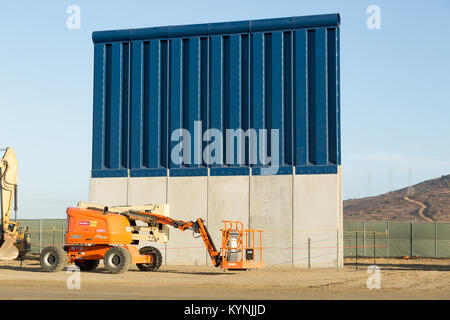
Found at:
(396, 266)
(23, 267)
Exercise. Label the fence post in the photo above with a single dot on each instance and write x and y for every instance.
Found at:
(411, 239)
(364, 239)
(435, 239)
(309, 253)
(337, 250)
(356, 246)
(374, 248)
(387, 244)
(40, 236)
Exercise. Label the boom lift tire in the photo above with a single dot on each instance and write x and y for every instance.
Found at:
(117, 260)
(53, 259)
(87, 265)
(156, 259)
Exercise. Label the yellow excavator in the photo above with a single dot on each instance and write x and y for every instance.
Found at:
(14, 242)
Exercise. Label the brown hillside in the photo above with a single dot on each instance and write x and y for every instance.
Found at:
(430, 201)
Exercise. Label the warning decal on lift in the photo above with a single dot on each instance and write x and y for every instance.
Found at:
(87, 223)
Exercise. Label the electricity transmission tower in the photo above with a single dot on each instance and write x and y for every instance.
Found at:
(390, 181)
(369, 185)
(410, 191)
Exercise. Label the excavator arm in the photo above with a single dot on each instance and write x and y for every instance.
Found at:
(12, 242)
(8, 184)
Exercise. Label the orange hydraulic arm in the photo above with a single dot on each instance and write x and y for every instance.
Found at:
(197, 226)
(207, 240)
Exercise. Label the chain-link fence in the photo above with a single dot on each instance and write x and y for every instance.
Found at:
(397, 239)
(44, 232)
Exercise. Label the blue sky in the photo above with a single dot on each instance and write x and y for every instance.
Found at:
(395, 88)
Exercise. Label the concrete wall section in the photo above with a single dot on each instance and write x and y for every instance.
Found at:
(187, 197)
(108, 191)
(143, 191)
(340, 214)
(271, 211)
(149, 190)
(317, 216)
(228, 199)
(289, 208)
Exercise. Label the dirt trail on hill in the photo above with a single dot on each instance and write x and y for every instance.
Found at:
(421, 210)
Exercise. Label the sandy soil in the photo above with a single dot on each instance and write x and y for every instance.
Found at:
(404, 279)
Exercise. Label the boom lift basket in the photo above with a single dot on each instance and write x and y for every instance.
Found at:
(241, 248)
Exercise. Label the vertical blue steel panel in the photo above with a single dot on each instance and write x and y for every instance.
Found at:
(215, 87)
(332, 97)
(125, 105)
(175, 95)
(164, 78)
(152, 114)
(311, 87)
(257, 104)
(321, 97)
(231, 92)
(301, 98)
(274, 102)
(98, 146)
(264, 139)
(136, 106)
(288, 142)
(225, 91)
(191, 87)
(234, 85)
(204, 88)
(245, 89)
(112, 159)
(107, 133)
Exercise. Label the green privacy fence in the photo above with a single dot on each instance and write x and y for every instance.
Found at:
(384, 239)
(44, 232)
(397, 239)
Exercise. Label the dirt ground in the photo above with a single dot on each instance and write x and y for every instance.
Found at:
(402, 279)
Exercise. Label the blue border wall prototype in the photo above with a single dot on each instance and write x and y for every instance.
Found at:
(262, 74)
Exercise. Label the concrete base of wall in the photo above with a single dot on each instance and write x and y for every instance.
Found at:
(108, 191)
(228, 199)
(187, 197)
(271, 211)
(289, 208)
(149, 191)
(317, 216)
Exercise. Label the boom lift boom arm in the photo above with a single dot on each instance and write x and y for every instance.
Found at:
(197, 227)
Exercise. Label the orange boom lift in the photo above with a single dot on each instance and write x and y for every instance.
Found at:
(95, 233)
